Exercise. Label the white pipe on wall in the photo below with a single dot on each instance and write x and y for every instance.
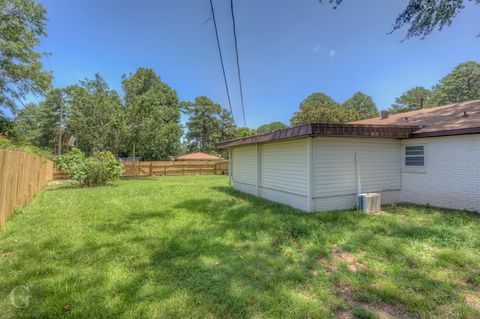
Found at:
(357, 170)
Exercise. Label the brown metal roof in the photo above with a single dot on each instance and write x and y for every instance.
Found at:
(322, 129)
(452, 119)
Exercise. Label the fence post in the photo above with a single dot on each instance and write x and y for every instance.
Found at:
(151, 169)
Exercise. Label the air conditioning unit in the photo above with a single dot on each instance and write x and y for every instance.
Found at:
(369, 202)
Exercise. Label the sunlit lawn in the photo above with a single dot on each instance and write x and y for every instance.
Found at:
(189, 247)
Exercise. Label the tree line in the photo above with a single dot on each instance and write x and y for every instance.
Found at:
(462, 84)
(145, 121)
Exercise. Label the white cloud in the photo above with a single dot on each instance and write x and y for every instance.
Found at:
(331, 53)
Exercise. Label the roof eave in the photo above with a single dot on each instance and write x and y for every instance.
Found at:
(325, 129)
(462, 131)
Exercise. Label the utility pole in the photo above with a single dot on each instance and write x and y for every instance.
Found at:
(60, 125)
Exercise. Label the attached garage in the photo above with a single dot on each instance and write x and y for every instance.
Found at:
(319, 167)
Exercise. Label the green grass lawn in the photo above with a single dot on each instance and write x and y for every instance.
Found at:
(190, 247)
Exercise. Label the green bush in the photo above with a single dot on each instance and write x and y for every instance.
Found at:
(96, 170)
(72, 161)
(6, 144)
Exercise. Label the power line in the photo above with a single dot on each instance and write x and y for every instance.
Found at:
(238, 63)
(221, 59)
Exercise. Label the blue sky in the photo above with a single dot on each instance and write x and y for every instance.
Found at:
(288, 49)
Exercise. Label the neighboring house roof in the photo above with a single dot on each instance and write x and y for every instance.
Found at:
(452, 119)
(198, 156)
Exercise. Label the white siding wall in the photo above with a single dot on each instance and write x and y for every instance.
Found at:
(244, 168)
(334, 178)
(284, 172)
(451, 177)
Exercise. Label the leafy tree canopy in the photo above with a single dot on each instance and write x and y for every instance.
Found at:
(38, 125)
(411, 100)
(152, 115)
(462, 84)
(317, 108)
(361, 106)
(95, 116)
(6, 126)
(320, 108)
(244, 132)
(424, 16)
(27, 124)
(22, 23)
(271, 127)
(204, 127)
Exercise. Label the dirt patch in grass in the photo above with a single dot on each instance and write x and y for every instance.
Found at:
(381, 311)
(339, 257)
(382, 213)
(58, 182)
(345, 314)
(473, 300)
(6, 254)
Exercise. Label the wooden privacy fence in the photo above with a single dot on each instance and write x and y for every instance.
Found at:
(166, 168)
(174, 168)
(22, 175)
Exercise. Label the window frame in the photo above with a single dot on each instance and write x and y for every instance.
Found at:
(413, 168)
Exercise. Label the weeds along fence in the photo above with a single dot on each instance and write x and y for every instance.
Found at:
(22, 175)
(167, 168)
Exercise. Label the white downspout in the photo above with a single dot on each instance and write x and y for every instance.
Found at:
(310, 174)
(357, 170)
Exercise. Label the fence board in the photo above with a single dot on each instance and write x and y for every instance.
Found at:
(22, 175)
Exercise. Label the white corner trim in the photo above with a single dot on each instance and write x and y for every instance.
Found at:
(259, 169)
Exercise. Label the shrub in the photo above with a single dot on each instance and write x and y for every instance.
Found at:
(72, 161)
(96, 170)
(6, 144)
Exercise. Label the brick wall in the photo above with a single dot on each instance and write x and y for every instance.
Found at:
(451, 177)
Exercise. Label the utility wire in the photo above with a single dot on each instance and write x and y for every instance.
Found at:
(221, 59)
(238, 63)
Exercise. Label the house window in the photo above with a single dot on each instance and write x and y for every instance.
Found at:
(415, 155)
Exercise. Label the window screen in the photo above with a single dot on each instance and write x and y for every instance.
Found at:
(414, 155)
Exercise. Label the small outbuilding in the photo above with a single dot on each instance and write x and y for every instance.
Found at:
(429, 156)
